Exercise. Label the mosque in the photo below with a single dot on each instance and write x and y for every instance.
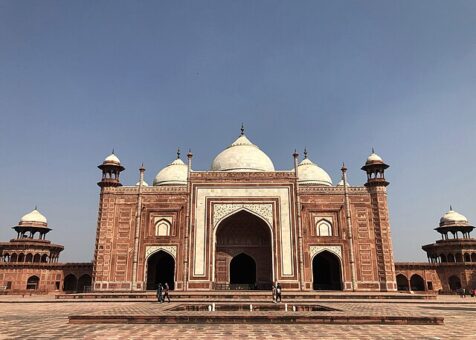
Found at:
(240, 225)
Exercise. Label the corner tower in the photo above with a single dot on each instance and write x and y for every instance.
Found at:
(376, 185)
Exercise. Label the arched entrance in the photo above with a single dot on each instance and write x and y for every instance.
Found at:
(417, 283)
(454, 282)
(33, 283)
(84, 283)
(402, 282)
(243, 271)
(70, 283)
(326, 272)
(160, 269)
(243, 253)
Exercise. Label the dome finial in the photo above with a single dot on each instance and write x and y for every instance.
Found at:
(242, 129)
(113, 151)
(451, 208)
(373, 151)
(36, 206)
(178, 153)
(305, 153)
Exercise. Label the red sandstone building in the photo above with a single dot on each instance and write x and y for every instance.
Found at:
(240, 225)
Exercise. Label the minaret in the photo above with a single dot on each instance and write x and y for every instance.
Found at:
(111, 168)
(376, 185)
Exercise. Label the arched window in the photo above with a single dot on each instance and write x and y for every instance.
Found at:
(459, 257)
(44, 258)
(473, 257)
(443, 258)
(323, 228)
(467, 258)
(14, 258)
(36, 258)
(21, 258)
(162, 228)
(451, 258)
(29, 258)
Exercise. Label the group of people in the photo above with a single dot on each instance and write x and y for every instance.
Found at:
(163, 292)
(276, 292)
(463, 292)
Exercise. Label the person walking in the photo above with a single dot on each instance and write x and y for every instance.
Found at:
(166, 292)
(159, 292)
(278, 292)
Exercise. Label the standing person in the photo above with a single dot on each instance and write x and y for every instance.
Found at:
(278, 292)
(273, 291)
(159, 292)
(166, 292)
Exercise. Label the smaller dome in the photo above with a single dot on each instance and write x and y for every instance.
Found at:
(374, 158)
(311, 173)
(452, 217)
(144, 183)
(341, 183)
(112, 158)
(33, 217)
(175, 173)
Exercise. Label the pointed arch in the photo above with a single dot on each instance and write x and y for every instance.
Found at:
(162, 227)
(417, 283)
(327, 273)
(243, 231)
(402, 282)
(323, 227)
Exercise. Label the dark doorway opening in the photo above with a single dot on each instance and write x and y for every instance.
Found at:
(160, 269)
(326, 272)
(84, 283)
(70, 283)
(243, 270)
(417, 283)
(402, 282)
(33, 282)
(454, 282)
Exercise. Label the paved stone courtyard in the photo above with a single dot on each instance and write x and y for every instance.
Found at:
(36, 318)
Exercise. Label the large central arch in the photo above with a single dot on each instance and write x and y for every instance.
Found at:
(243, 252)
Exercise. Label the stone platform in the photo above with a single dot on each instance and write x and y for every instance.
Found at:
(263, 296)
(46, 318)
(250, 314)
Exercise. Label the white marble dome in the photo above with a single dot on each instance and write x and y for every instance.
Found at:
(453, 217)
(144, 183)
(244, 156)
(112, 158)
(173, 174)
(341, 183)
(374, 158)
(33, 217)
(311, 173)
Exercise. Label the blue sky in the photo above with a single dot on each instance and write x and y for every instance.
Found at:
(78, 78)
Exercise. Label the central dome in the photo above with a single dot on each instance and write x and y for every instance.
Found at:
(244, 156)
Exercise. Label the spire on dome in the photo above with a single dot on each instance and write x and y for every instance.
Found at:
(451, 208)
(305, 153)
(178, 153)
(242, 129)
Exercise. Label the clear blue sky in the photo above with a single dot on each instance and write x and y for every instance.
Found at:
(78, 78)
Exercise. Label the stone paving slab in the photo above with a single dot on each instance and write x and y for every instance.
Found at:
(50, 320)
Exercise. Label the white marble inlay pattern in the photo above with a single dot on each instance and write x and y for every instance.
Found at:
(149, 250)
(337, 250)
(201, 238)
(220, 211)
